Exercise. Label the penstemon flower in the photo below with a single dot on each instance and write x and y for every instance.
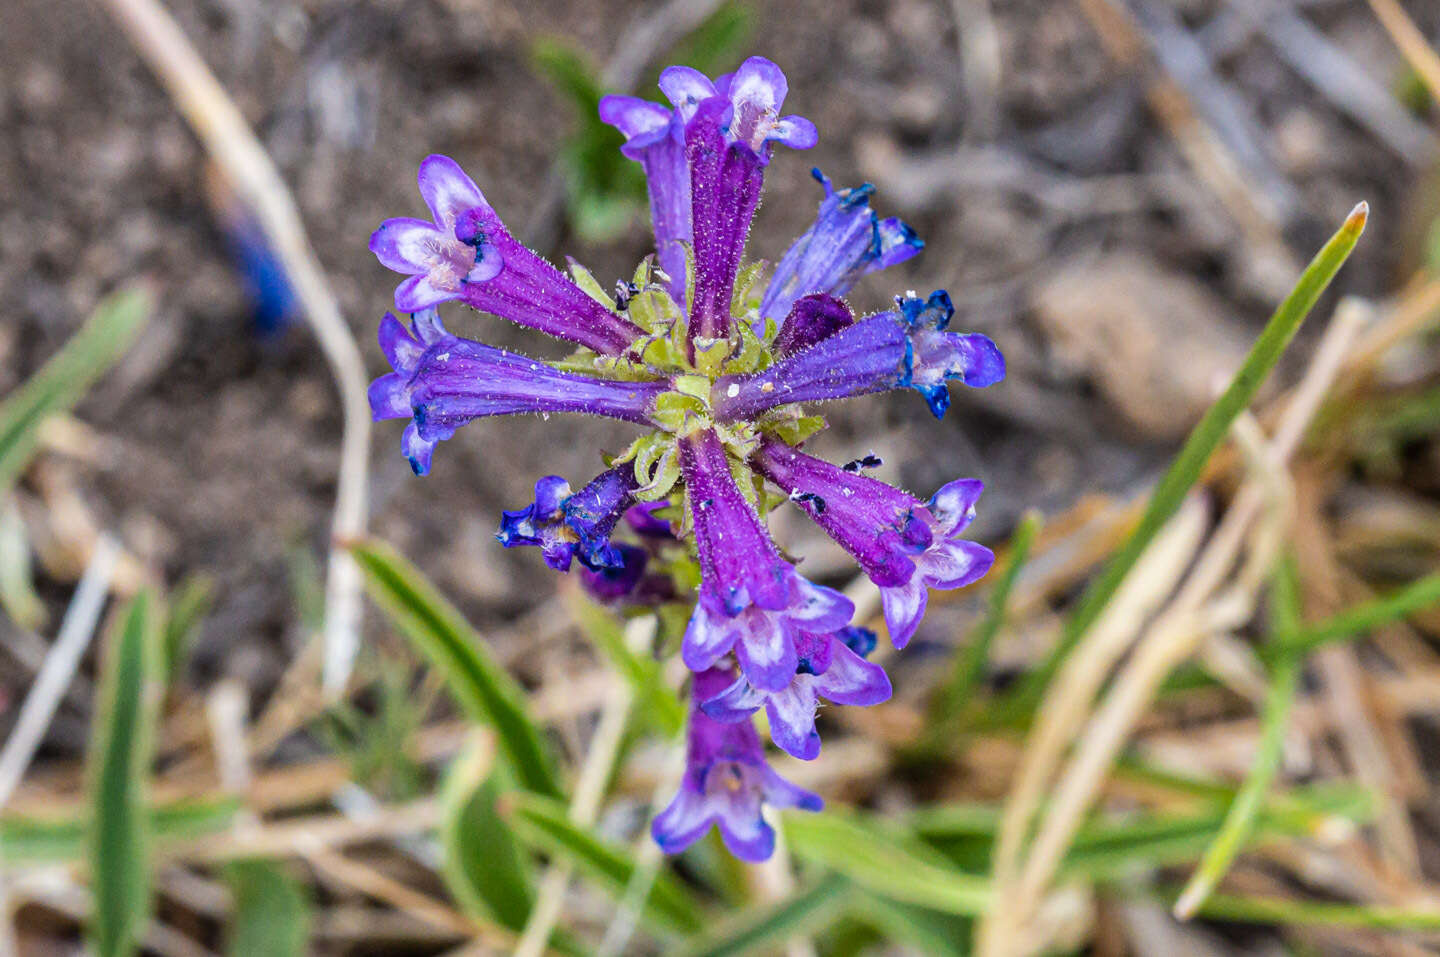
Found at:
(713, 365)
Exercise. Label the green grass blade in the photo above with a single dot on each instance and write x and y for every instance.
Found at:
(1356, 621)
(119, 767)
(478, 682)
(60, 383)
(1291, 913)
(1202, 442)
(545, 825)
(17, 578)
(484, 866)
(886, 861)
(1241, 819)
(187, 610)
(656, 702)
(970, 664)
(765, 929)
(926, 932)
(272, 911)
(27, 840)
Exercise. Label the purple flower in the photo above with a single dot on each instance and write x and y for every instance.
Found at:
(846, 241)
(751, 600)
(577, 525)
(906, 546)
(704, 162)
(811, 318)
(441, 382)
(908, 348)
(829, 668)
(619, 578)
(466, 253)
(726, 783)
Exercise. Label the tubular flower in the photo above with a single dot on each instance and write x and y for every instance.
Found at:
(905, 545)
(847, 241)
(726, 782)
(712, 366)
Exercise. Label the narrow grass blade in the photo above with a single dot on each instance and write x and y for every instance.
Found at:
(545, 825)
(654, 700)
(1292, 913)
(1357, 621)
(17, 579)
(27, 840)
(926, 932)
(60, 383)
(1185, 470)
(1241, 819)
(970, 664)
(484, 866)
(886, 861)
(187, 610)
(272, 911)
(119, 767)
(765, 929)
(440, 633)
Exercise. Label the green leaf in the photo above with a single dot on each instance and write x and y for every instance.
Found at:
(1240, 820)
(119, 768)
(765, 928)
(1294, 913)
(484, 867)
(61, 382)
(929, 933)
(187, 610)
(886, 861)
(1355, 621)
(17, 582)
(1185, 469)
(545, 825)
(479, 683)
(41, 840)
(272, 911)
(658, 703)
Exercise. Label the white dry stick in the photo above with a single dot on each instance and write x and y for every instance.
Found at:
(589, 791)
(76, 631)
(1171, 638)
(230, 142)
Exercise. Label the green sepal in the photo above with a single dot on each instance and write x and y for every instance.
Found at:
(586, 280)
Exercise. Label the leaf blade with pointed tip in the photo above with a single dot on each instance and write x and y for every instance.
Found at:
(66, 377)
(119, 767)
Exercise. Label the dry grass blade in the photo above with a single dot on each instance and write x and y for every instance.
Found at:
(222, 128)
(1194, 612)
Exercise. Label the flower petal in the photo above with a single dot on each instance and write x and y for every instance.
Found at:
(447, 190)
(955, 563)
(736, 703)
(765, 650)
(792, 719)
(683, 822)
(904, 607)
(403, 244)
(416, 293)
(852, 680)
(707, 637)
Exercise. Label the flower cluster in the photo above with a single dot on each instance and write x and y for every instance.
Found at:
(713, 365)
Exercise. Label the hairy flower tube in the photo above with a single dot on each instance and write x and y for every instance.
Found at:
(718, 369)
